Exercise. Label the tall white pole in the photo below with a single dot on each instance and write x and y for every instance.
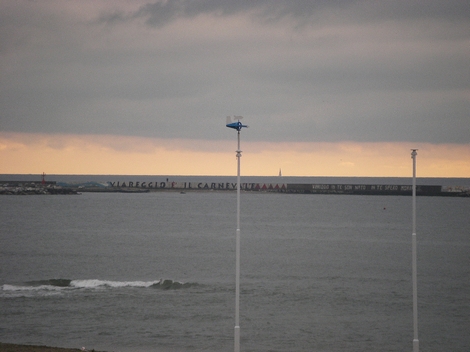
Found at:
(414, 265)
(237, 255)
(237, 126)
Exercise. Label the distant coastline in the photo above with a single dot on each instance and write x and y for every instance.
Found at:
(144, 184)
(82, 178)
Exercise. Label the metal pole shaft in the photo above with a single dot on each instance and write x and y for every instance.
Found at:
(414, 264)
(237, 255)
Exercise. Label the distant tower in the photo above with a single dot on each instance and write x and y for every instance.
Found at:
(43, 182)
(280, 173)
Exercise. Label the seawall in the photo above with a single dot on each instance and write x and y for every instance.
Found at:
(348, 189)
(53, 187)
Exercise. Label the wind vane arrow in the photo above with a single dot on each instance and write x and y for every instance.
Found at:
(237, 125)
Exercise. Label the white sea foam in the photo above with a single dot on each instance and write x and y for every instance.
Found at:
(15, 291)
(78, 284)
(105, 283)
(7, 287)
(8, 290)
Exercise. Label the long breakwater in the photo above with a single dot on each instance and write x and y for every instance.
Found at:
(349, 189)
(57, 187)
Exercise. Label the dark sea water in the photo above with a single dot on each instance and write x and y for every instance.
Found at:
(156, 271)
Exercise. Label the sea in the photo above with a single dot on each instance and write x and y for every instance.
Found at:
(156, 271)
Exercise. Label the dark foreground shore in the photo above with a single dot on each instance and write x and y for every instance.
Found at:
(7, 347)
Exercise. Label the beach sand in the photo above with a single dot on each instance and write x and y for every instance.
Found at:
(7, 347)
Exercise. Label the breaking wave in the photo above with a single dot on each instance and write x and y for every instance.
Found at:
(56, 286)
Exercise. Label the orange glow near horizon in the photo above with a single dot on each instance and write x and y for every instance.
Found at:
(22, 153)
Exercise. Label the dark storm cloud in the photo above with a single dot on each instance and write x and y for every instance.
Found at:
(297, 70)
(159, 13)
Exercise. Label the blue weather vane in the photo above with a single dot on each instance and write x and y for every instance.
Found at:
(237, 125)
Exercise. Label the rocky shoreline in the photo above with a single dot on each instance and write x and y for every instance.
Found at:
(24, 191)
(9, 347)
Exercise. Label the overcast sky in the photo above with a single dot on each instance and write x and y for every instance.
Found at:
(298, 71)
